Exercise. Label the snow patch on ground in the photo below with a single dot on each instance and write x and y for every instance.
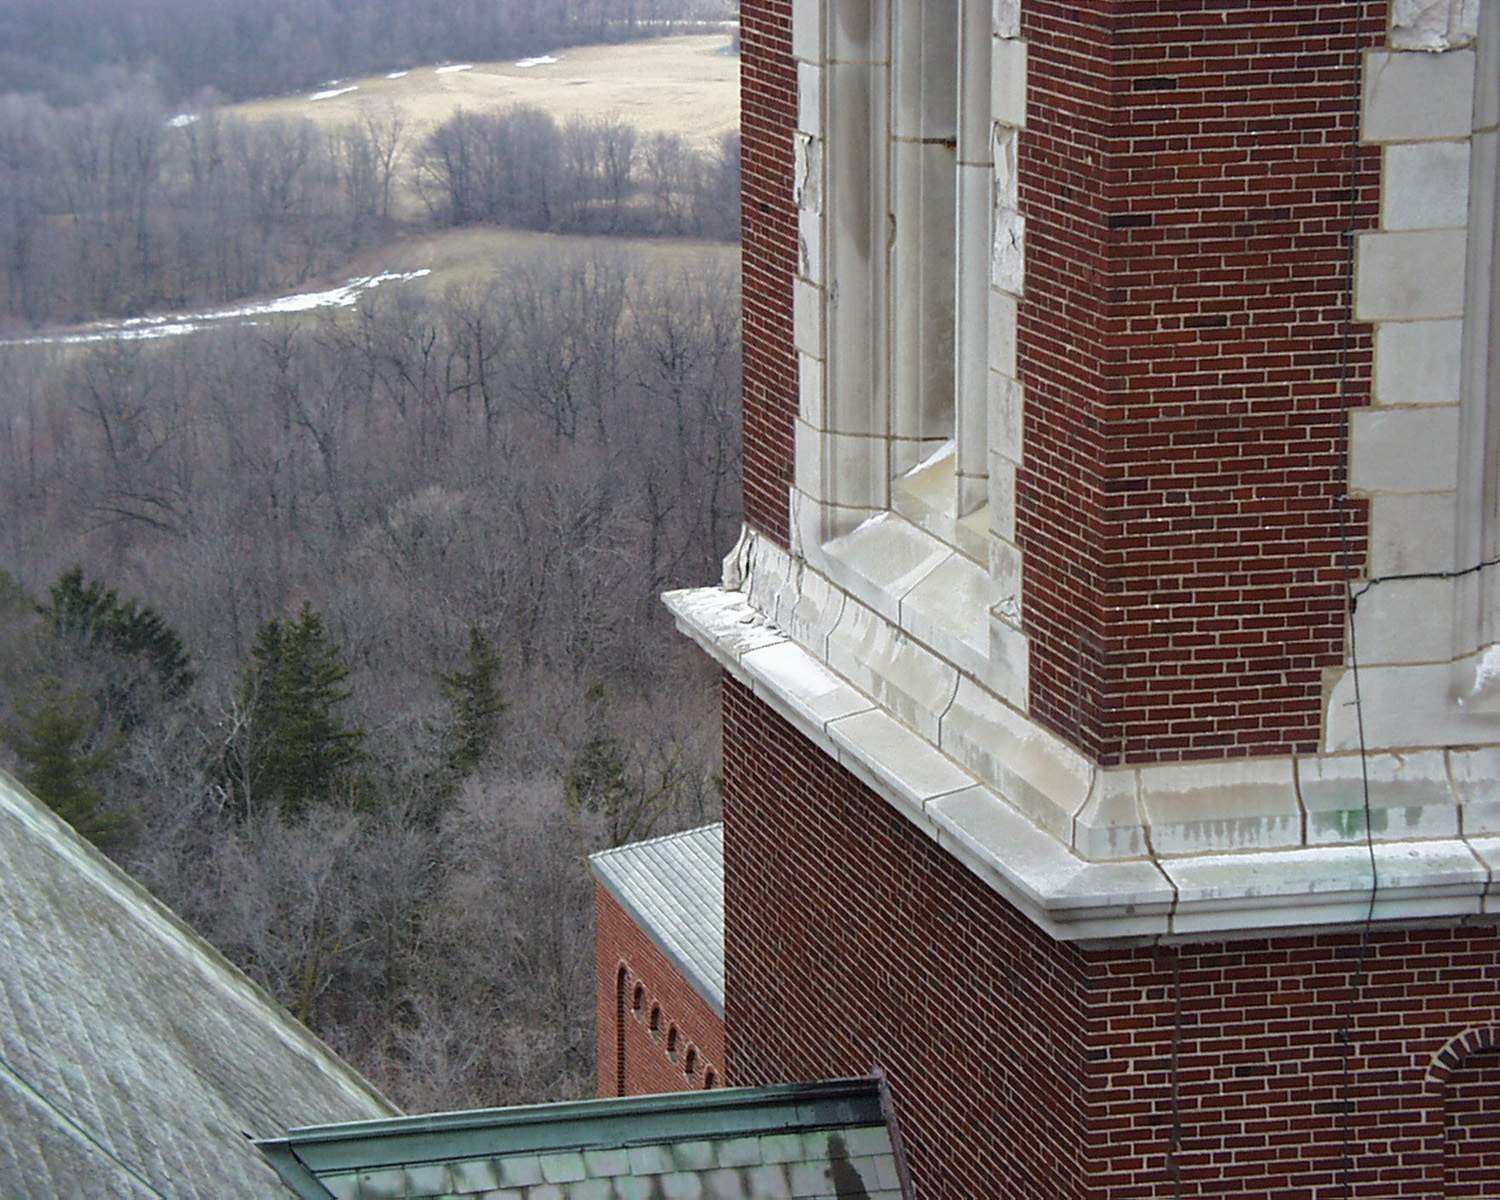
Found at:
(330, 93)
(182, 120)
(142, 329)
(454, 70)
(339, 297)
(398, 74)
(541, 60)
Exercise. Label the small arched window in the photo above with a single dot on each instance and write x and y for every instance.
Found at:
(672, 1040)
(690, 1063)
(637, 999)
(709, 1079)
(655, 1023)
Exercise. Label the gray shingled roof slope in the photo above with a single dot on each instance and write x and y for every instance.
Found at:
(820, 1141)
(134, 1058)
(673, 888)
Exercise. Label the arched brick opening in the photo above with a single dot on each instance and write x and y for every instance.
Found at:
(622, 984)
(1467, 1072)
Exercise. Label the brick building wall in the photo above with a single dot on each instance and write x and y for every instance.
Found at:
(1063, 485)
(768, 118)
(1023, 1067)
(1471, 1145)
(852, 943)
(1185, 175)
(641, 1062)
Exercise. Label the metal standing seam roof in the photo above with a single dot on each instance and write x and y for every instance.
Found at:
(135, 1060)
(673, 888)
(821, 1140)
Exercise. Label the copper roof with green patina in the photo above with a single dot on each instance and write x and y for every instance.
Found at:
(814, 1141)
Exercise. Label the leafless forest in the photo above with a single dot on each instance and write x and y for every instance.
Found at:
(108, 210)
(72, 51)
(341, 632)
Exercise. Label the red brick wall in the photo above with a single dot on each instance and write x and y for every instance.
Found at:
(1022, 1067)
(1185, 178)
(853, 943)
(1471, 1106)
(768, 119)
(1260, 1063)
(647, 1065)
(1061, 492)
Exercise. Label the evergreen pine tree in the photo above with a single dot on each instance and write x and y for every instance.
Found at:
(48, 737)
(300, 748)
(128, 635)
(474, 696)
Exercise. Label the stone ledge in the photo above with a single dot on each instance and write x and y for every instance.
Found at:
(1105, 814)
(1070, 896)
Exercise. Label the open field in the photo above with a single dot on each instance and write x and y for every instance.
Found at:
(433, 262)
(687, 85)
(460, 256)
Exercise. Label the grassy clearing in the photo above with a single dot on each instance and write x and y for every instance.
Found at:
(456, 258)
(461, 256)
(685, 85)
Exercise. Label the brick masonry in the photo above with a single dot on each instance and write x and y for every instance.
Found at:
(1471, 1146)
(641, 1062)
(768, 119)
(1026, 1068)
(1185, 175)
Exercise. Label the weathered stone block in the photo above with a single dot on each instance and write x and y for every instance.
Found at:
(1412, 534)
(1433, 24)
(807, 30)
(1410, 276)
(807, 318)
(1426, 186)
(1008, 83)
(1417, 362)
(1404, 450)
(1417, 97)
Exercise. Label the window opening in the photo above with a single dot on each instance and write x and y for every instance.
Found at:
(942, 200)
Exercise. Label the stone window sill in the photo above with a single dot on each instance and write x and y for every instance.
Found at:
(926, 496)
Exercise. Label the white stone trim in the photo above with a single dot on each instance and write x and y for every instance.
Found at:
(1476, 625)
(1434, 24)
(891, 140)
(1100, 813)
(994, 790)
(1427, 452)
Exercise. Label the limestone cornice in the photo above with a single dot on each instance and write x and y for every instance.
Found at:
(1179, 850)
